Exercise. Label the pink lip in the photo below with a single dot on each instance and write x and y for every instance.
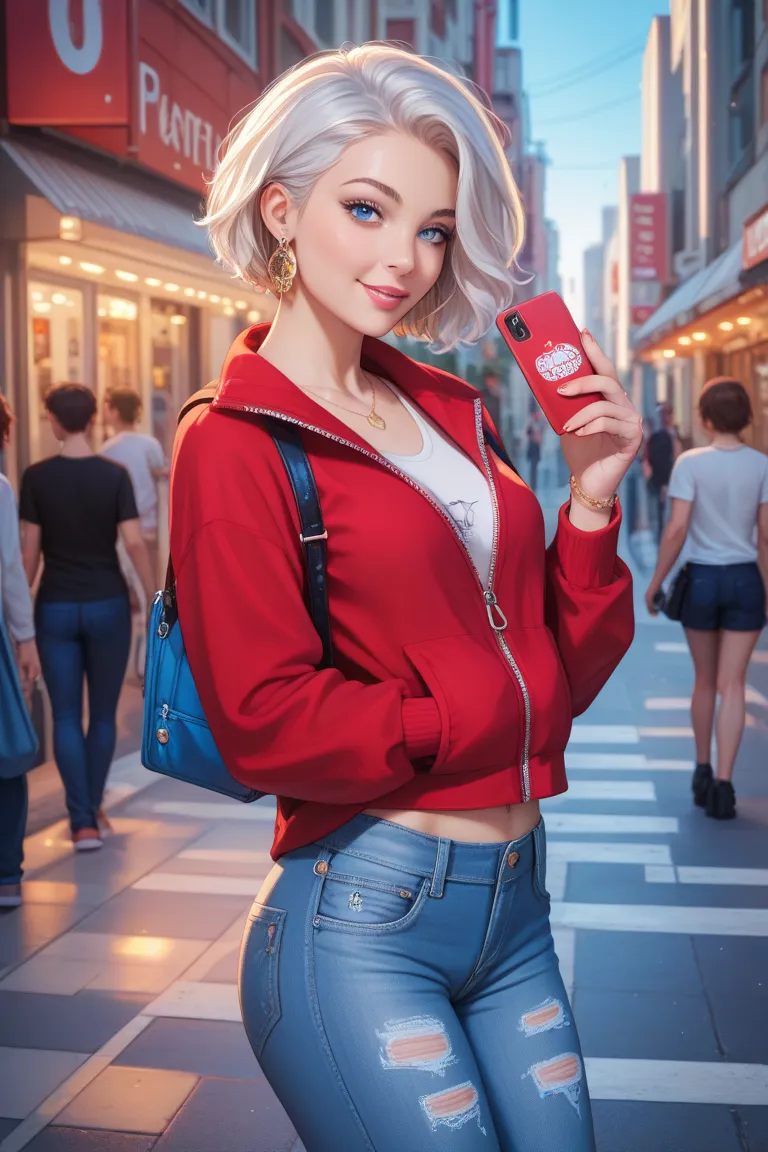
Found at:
(383, 297)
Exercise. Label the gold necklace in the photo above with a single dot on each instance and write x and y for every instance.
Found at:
(372, 417)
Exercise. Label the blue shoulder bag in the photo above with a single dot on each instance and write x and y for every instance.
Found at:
(176, 740)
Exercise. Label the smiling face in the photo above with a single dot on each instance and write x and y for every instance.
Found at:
(374, 232)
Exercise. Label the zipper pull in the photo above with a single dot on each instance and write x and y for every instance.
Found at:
(491, 606)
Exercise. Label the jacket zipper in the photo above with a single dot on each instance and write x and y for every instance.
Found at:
(496, 617)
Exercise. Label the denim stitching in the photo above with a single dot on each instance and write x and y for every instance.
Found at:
(404, 922)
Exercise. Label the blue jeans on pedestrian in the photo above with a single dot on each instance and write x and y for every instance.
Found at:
(13, 824)
(84, 641)
(401, 992)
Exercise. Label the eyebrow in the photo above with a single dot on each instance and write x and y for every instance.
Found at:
(394, 195)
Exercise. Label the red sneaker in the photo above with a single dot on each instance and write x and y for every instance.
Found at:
(86, 839)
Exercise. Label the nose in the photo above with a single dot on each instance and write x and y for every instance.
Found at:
(400, 253)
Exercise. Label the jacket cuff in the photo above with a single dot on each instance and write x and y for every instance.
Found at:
(422, 727)
(587, 559)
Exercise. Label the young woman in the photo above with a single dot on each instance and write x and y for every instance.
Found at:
(72, 507)
(398, 976)
(16, 616)
(720, 512)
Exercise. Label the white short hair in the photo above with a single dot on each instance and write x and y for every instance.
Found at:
(299, 128)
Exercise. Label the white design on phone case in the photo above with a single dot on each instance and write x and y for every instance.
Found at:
(558, 362)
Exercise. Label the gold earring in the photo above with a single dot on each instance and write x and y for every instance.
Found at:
(282, 267)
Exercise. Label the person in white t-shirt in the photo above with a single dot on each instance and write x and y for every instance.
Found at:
(141, 454)
(720, 513)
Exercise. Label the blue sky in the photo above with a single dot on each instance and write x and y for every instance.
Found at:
(559, 37)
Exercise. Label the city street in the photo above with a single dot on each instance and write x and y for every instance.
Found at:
(119, 1020)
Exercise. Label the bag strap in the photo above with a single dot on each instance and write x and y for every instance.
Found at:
(494, 443)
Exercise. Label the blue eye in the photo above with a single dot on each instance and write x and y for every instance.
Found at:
(438, 235)
(362, 211)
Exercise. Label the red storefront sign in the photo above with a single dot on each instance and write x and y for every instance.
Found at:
(67, 63)
(755, 240)
(136, 80)
(648, 244)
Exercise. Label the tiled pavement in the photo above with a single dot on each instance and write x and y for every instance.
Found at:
(119, 1022)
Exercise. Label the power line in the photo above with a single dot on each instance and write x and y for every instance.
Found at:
(561, 85)
(587, 65)
(594, 111)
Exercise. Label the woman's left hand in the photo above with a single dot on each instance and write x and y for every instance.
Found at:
(600, 442)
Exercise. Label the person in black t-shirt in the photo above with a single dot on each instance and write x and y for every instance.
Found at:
(71, 508)
(661, 451)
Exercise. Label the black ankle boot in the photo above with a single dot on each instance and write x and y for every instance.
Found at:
(700, 784)
(721, 800)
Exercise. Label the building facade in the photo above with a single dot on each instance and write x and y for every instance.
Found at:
(705, 149)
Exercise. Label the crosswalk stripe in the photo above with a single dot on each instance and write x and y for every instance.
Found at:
(622, 762)
(677, 1081)
(583, 822)
(662, 918)
(642, 790)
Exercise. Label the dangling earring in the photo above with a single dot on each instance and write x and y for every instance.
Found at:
(282, 267)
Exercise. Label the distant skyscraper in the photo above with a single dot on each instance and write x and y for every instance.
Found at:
(507, 24)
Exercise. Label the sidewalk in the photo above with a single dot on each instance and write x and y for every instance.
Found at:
(119, 1019)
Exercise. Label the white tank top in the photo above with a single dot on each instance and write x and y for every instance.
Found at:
(455, 482)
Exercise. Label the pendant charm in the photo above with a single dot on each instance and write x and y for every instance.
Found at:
(376, 421)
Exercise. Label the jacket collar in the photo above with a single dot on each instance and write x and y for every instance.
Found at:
(250, 381)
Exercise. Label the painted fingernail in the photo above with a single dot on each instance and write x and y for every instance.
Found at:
(586, 332)
(562, 388)
(567, 427)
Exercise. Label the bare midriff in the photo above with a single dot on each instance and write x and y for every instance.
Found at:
(481, 826)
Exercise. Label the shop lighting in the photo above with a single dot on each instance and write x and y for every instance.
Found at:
(668, 353)
(128, 277)
(153, 282)
(178, 319)
(171, 287)
(102, 311)
(59, 298)
(70, 228)
(240, 305)
(65, 259)
(70, 303)
(189, 291)
(684, 340)
(214, 299)
(744, 320)
(254, 317)
(725, 326)
(202, 295)
(226, 300)
(229, 310)
(38, 296)
(96, 269)
(42, 306)
(699, 335)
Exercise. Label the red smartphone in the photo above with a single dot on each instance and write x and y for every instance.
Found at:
(543, 338)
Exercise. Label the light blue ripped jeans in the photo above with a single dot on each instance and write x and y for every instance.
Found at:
(402, 993)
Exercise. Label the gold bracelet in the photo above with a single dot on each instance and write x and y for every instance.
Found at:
(590, 500)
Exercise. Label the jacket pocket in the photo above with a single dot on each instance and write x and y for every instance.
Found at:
(478, 699)
(548, 688)
(258, 980)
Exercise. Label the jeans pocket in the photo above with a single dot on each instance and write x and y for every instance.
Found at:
(259, 976)
(365, 897)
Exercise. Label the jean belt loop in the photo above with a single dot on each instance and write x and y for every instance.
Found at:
(441, 867)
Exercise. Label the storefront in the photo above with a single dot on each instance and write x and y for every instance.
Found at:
(715, 324)
(103, 305)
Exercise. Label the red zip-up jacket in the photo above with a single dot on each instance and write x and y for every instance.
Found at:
(444, 695)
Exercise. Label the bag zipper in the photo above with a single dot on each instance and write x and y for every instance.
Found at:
(496, 617)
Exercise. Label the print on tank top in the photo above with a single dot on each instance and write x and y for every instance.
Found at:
(462, 512)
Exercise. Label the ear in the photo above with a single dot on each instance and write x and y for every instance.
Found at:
(278, 211)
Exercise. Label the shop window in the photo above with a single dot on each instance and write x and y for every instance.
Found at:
(234, 21)
(742, 34)
(55, 354)
(118, 344)
(325, 23)
(764, 94)
(742, 123)
(170, 368)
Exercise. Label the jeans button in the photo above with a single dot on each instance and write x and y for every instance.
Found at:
(320, 868)
(512, 859)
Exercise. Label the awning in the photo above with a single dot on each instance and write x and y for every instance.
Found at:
(121, 199)
(704, 290)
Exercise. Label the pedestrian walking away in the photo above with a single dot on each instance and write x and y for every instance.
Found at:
(17, 620)
(72, 507)
(534, 435)
(661, 451)
(142, 455)
(720, 515)
(401, 944)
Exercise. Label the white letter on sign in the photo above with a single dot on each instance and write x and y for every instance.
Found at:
(149, 92)
(85, 58)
